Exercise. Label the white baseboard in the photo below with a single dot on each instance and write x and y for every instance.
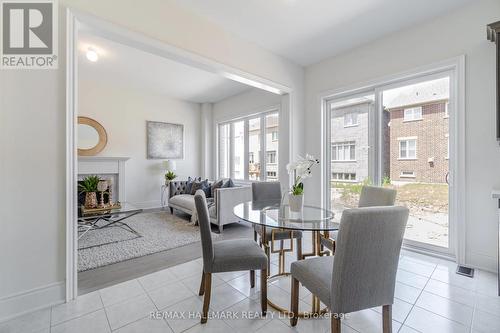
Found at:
(481, 261)
(31, 300)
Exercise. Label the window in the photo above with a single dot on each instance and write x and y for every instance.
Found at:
(344, 151)
(412, 114)
(242, 144)
(254, 139)
(344, 176)
(447, 110)
(271, 157)
(407, 149)
(407, 174)
(350, 119)
(250, 158)
(224, 150)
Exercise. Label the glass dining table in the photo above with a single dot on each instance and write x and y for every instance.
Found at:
(278, 217)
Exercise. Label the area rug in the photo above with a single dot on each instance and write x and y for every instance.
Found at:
(160, 231)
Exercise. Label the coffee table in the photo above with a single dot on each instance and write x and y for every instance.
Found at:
(112, 218)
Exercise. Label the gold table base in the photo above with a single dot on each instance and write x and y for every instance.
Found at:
(318, 250)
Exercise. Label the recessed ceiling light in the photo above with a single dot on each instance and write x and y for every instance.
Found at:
(92, 55)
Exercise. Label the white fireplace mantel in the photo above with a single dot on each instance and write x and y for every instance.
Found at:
(105, 165)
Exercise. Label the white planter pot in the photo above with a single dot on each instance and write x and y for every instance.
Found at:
(296, 202)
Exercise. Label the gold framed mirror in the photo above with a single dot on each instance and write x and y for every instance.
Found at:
(92, 137)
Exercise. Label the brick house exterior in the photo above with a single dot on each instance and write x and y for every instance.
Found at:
(419, 147)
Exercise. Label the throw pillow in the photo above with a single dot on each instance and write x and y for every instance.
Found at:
(189, 184)
(216, 185)
(229, 183)
(207, 188)
(196, 186)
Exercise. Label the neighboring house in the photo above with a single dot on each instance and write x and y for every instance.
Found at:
(349, 141)
(271, 155)
(419, 133)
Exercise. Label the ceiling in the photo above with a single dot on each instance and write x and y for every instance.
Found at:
(306, 31)
(126, 65)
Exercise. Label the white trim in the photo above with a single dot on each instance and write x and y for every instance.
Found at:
(71, 156)
(78, 21)
(455, 66)
(401, 138)
(18, 304)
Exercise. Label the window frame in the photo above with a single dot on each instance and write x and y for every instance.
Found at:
(420, 108)
(350, 116)
(343, 144)
(407, 140)
(246, 155)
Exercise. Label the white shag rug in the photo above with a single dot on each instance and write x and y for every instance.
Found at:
(160, 231)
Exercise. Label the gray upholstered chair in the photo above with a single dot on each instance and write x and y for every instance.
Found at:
(371, 196)
(227, 256)
(271, 192)
(362, 273)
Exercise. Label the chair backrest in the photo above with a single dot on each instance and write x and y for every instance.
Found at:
(377, 196)
(200, 202)
(366, 257)
(266, 191)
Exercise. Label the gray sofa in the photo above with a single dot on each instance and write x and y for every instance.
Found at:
(220, 205)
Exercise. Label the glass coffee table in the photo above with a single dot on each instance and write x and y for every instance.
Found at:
(114, 217)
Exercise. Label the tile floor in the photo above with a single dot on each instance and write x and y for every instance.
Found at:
(430, 297)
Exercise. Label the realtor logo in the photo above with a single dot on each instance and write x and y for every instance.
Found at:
(29, 34)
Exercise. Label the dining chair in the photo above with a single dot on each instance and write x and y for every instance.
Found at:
(371, 196)
(227, 256)
(271, 192)
(362, 273)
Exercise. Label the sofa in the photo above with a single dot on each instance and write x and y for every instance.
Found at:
(220, 205)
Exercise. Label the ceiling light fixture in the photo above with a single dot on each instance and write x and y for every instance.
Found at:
(92, 55)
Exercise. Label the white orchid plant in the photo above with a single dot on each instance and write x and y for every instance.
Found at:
(301, 169)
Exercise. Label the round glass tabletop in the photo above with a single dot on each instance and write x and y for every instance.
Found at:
(274, 215)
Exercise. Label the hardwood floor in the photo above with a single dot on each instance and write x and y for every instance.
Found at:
(109, 275)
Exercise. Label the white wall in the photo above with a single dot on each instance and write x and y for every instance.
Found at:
(460, 32)
(32, 145)
(248, 103)
(123, 111)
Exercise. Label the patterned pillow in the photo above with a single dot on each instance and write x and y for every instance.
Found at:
(207, 188)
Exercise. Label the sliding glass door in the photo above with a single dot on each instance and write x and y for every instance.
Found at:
(248, 148)
(395, 136)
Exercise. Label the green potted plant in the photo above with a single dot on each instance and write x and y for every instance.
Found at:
(89, 187)
(169, 176)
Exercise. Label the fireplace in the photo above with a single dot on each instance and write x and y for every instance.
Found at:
(107, 168)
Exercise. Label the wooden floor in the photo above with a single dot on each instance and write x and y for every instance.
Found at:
(109, 275)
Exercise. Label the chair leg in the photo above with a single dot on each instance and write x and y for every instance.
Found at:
(252, 278)
(202, 284)
(263, 291)
(335, 324)
(206, 299)
(299, 248)
(294, 302)
(387, 319)
(255, 235)
(171, 210)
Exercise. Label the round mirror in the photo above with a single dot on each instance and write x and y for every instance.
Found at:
(92, 137)
(87, 136)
